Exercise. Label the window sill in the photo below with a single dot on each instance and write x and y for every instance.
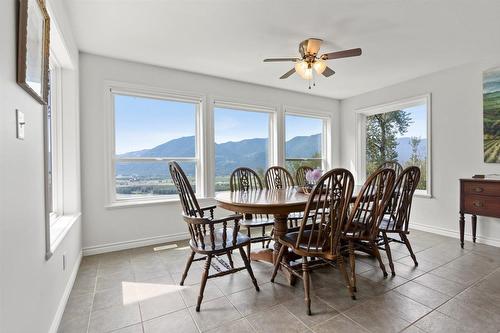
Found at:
(139, 203)
(59, 228)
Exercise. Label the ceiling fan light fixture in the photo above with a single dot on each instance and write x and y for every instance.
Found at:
(304, 69)
(319, 66)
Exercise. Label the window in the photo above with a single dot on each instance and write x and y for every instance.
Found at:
(52, 145)
(398, 132)
(241, 140)
(151, 131)
(305, 142)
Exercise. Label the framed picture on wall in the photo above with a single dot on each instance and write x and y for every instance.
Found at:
(491, 115)
(33, 49)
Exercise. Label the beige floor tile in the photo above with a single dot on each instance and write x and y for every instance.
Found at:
(161, 305)
(437, 322)
(239, 326)
(370, 315)
(74, 323)
(214, 313)
(423, 264)
(130, 329)
(126, 295)
(422, 294)
(113, 318)
(337, 295)
(320, 310)
(276, 319)
(250, 301)
(193, 277)
(398, 305)
(407, 271)
(440, 284)
(190, 293)
(339, 324)
(176, 322)
(79, 304)
(412, 329)
(116, 280)
(389, 282)
(233, 283)
(475, 317)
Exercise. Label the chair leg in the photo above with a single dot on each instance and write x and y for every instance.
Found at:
(305, 277)
(278, 262)
(230, 257)
(249, 268)
(408, 246)
(188, 265)
(263, 234)
(271, 237)
(340, 264)
(376, 252)
(352, 263)
(249, 236)
(388, 251)
(204, 278)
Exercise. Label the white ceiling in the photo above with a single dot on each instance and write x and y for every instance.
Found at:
(401, 39)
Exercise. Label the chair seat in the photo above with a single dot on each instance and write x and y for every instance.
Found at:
(218, 243)
(290, 240)
(256, 222)
(359, 229)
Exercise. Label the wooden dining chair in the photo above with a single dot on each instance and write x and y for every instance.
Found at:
(246, 179)
(300, 175)
(277, 177)
(361, 229)
(210, 237)
(397, 214)
(394, 165)
(319, 235)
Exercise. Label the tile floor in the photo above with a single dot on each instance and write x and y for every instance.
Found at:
(133, 291)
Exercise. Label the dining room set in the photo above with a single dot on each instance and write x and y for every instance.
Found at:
(303, 222)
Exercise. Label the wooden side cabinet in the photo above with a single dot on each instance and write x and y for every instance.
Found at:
(478, 196)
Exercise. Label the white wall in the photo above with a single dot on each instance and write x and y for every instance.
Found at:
(158, 222)
(31, 288)
(457, 143)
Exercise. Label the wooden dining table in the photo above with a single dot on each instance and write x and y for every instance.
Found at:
(278, 202)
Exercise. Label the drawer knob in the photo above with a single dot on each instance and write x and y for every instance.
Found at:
(478, 204)
(478, 189)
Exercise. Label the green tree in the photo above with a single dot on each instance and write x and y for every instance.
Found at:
(381, 137)
(418, 161)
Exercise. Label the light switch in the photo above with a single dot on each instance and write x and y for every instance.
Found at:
(20, 124)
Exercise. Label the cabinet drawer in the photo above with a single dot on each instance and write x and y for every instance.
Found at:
(481, 188)
(482, 205)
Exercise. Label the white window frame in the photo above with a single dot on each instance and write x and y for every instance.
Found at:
(326, 135)
(54, 205)
(116, 88)
(361, 115)
(246, 107)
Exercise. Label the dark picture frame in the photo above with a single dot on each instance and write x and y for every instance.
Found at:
(491, 115)
(33, 49)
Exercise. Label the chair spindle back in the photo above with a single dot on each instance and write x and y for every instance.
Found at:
(244, 179)
(399, 208)
(394, 165)
(278, 178)
(300, 175)
(325, 212)
(367, 211)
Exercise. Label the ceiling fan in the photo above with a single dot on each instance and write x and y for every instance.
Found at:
(310, 60)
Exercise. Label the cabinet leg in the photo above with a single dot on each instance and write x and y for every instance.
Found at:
(474, 223)
(462, 227)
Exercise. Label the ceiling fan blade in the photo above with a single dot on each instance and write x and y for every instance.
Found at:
(341, 54)
(280, 59)
(328, 72)
(287, 74)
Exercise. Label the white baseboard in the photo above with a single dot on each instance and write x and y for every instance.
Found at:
(455, 234)
(91, 250)
(64, 299)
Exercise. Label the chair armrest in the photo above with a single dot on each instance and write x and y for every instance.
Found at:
(210, 209)
(205, 220)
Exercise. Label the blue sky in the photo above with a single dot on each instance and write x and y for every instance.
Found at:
(142, 123)
(419, 126)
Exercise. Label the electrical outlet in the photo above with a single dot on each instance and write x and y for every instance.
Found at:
(20, 124)
(64, 261)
